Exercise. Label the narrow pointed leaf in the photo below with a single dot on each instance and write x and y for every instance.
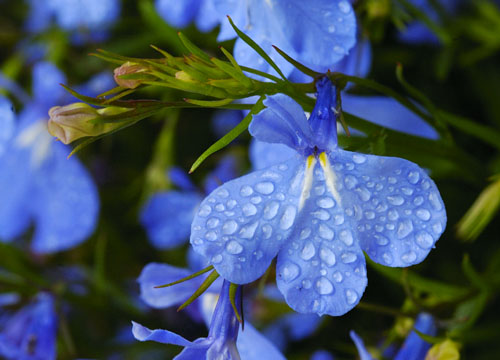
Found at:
(203, 287)
(295, 63)
(232, 297)
(192, 48)
(192, 276)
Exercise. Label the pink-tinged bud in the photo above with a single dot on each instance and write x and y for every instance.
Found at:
(129, 68)
(71, 122)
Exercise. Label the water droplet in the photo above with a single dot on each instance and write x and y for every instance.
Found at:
(197, 241)
(370, 215)
(256, 200)
(233, 247)
(280, 196)
(381, 240)
(339, 219)
(258, 254)
(323, 272)
(344, 7)
(387, 258)
(350, 182)
(325, 232)
(331, 29)
(338, 49)
(306, 284)
(409, 257)
(249, 210)
(359, 159)
(248, 231)
(308, 251)
(212, 223)
(325, 203)
(319, 190)
(424, 240)
(289, 271)
(231, 204)
(216, 259)
(283, 167)
(346, 237)
(321, 215)
(288, 217)
(223, 193)
(348, 257)
(423, 214)
(396, 200)
(324, 286)
(220, 207)
(229, 213)
(426, 185)
(271, 210)
(392, 180)
(229, 227)
(379, 228)
(267, 230)
(390, 226)
(413, 177)
(351, 296)
(211, 236)
(379, 187)
(265, 187)
(205, 210)
(405, 227)
(407, 191)
(363, 193)
(437, 228)
(246, 190)
(327, 256)
(393, 215)
(435, 201)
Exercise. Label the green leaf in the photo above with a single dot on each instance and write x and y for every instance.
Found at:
(257, 48)
(192, 276)
(230, 136)
(209, 103)
(295, 63)
(203, 287)
(232, 297)
(192, 48)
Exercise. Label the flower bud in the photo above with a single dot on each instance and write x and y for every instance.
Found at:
(71, 122)
(127, 69)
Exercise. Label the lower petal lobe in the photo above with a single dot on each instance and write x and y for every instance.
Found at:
(397, 208)
(321, 268)
(242, 224)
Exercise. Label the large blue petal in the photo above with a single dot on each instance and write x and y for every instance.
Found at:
(6, 123)
(237, 10)
(226, 170)
(414, 347)
(321, 268)
(177, 13)
(207, 17)
(99, 14)
(389, 113)
(282, 121)
(395, 208)
(142, 333)
(65, 202)
(263, 154)
(253, 346)
(242, 224)
(155, 274)
(180, 178)
(15, 192)
(167, 217)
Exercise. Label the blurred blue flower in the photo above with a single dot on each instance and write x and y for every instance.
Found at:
(224, 121)
(306, 33)
(181, 13)
(38, 183)
(6, 123)
(76, 16)
(413, 348)
(223, 340)
(322, 355)
(317, 212)
(167, 215)
(417, 32)
(30, 334)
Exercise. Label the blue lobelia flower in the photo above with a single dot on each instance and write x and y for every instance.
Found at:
(413, 348)
(317, 212)
(6, 123)
(38, 183)
(223, 341)
(318, 34)
(167, 216)
(30, 334)
(181, 13)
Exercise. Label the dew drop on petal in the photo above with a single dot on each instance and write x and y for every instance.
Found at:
(339, 219)
(325, 203)
(381, 240)
(387, 257)
(437, 228)
(346, 237)
(337, 276)
(435, 202)
(348, 257)
(350, 182)
(405, 227)
(393, 215)
(205, 210)
(327, 256)
(305, 233)
(229, 227)
(325, 232)
(212, 223)
(423, 214)
(344, 7)
(246, 190)
(324, 286)
(288, 217)
(217, 259)
(409, 257)
(396, 200)
(211, 236)
(233, 247)
(248, 231)
(351, 296)
(223, 193)
(419, 200)
(424, 240)
(271, 210)
(267, 230)
(249, 210)
(308, 251)
(358, 158)
(306, 284)
(265, 187)
(289, 271)
(413, 177)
